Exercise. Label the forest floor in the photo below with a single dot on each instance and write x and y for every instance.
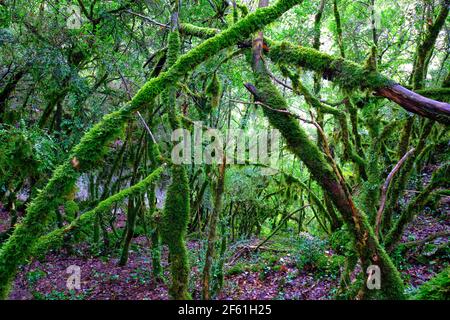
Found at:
(252, 276)
(272, 273)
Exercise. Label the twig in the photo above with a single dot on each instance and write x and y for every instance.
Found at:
(137, 112)
(386, 186)
(146, 127)
(280, 82)
(148, 19)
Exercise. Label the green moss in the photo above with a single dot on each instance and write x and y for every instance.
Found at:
(55, 239)
(214, 91)
(337, 18)
(347, 74)
(71, 209)
(438, 288)
(405, 137)
(243, 8)
(174, 227)
(366, 244)
(371, 187)
(241, 267)
(177, 206)
(218, 273)
(371, 62)
(157, 269)
(87, 154)
(200, 32)
(235, 13)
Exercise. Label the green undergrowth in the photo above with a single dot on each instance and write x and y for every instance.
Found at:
(438, 288)
(302, 254)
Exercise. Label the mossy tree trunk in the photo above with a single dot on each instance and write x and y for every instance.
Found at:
(425, 48)
(134, 205)
(177, 205)
(366, 244)
(212, 238)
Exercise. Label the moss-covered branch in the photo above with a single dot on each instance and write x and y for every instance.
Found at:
(437, 288)
(337, 18)
(351, 76)
(55, 239)
(199, 32)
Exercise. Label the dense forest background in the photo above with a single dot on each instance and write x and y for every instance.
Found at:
(355, 207)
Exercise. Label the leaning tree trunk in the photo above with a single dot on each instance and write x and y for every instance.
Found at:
(366, 244)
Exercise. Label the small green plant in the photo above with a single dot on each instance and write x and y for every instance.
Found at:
(308, 252)
(311, 256)
(34, 276)
(59, 295)
(264, 273)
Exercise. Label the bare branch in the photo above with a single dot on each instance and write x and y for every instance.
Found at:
(385, 188)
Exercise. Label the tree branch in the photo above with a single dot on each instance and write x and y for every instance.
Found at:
(385, 188)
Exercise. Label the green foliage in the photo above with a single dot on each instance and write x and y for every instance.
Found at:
(55, 89)
(34, 276)
(340, 241)
(310, 255)
(309, 252)
(25, 153)
(438, 288)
